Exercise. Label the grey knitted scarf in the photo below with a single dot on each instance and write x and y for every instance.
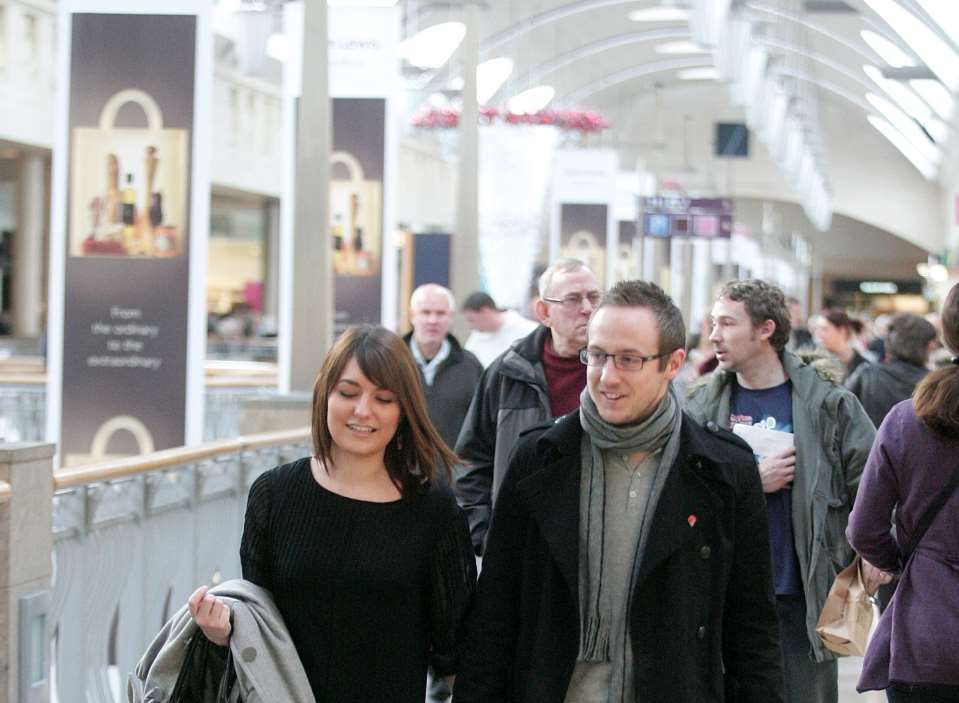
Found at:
(649, 435)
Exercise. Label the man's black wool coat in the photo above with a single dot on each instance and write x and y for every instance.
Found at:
(703, 620)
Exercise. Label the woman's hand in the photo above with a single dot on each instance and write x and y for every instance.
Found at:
(212, 616)
(873, 578)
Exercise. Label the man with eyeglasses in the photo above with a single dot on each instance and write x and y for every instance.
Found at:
(538, 378)
(628, 555)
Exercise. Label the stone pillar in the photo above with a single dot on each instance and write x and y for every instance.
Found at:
(27, 289)
(312, 329)
(465, 269)
(271, 260)
(26, 545)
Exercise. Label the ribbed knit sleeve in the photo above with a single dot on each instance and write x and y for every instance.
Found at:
(452, 582)
(255, 558)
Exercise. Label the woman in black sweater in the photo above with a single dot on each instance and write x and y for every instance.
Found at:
(365, 551)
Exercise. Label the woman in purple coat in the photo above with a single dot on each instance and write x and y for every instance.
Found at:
(914, 654)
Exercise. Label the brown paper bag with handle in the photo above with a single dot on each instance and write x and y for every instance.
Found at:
(850, 615)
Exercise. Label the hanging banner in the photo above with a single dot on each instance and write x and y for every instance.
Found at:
(629, 251)
(584, 196)
(126, 237)
(583, 235)
(626, 212)
(364, 75)
(514, 176)
(356, 209)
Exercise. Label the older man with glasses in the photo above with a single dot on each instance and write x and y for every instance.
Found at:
(538, 378)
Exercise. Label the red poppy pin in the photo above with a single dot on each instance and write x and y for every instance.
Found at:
(691, 520)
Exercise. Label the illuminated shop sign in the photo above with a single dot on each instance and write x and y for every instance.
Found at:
(870, 287)
(710, 218)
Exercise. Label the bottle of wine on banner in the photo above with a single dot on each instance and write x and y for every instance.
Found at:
(129, 216)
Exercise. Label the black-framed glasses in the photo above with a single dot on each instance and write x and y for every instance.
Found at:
(623, 362)
(574, 301)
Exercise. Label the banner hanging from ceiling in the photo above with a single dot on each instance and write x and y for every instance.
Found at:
(583, 225)
(127, 315)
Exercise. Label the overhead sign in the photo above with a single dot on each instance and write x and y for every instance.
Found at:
(710, 218)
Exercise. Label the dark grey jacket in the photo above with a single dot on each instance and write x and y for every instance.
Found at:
(512, 396)
(880, 386)
(448, 399)
(833, 436)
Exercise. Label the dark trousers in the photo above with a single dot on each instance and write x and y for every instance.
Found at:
(806, 680)
(917, 693)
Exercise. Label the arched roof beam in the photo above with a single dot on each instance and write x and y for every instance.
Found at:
(633, 73)
(556, 14)
(535, 74)
(819, 29)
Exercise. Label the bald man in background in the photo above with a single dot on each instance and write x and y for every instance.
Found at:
(449, 372)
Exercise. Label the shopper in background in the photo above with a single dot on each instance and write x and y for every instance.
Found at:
(800, 337)
(880, 386)
(538, 378)
(880, 330)
(809, 487)
(628, 557)
(493, 329)
(366, 554)
(449, 373)
(836, 332)
(911, 469)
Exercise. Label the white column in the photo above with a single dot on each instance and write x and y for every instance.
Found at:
(312, 322)
(271, 259)
(464, 272)
(28, 248)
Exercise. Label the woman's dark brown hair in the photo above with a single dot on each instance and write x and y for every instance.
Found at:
(838, 318)
(936, 400)
(416, 451)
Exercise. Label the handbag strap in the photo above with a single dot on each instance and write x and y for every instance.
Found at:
(930, 516)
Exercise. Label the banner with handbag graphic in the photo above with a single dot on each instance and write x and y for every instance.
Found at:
(128, 226)
(582, 222)
(128, 185)
(357, 167)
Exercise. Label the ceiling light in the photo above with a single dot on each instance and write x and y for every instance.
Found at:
(532, 100)
(361, 3)
(888, 52)
(433, 46)
(706, 73)
(907, 127)
(935, 94)
(904, 146)
(659, 14)
(938, 130)
(906, 99)
(681, 47)
(438, 101)
(278, 47)
(490, 76)
(929, 47)
(707, 22)
(945, 13)
(938, 273)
